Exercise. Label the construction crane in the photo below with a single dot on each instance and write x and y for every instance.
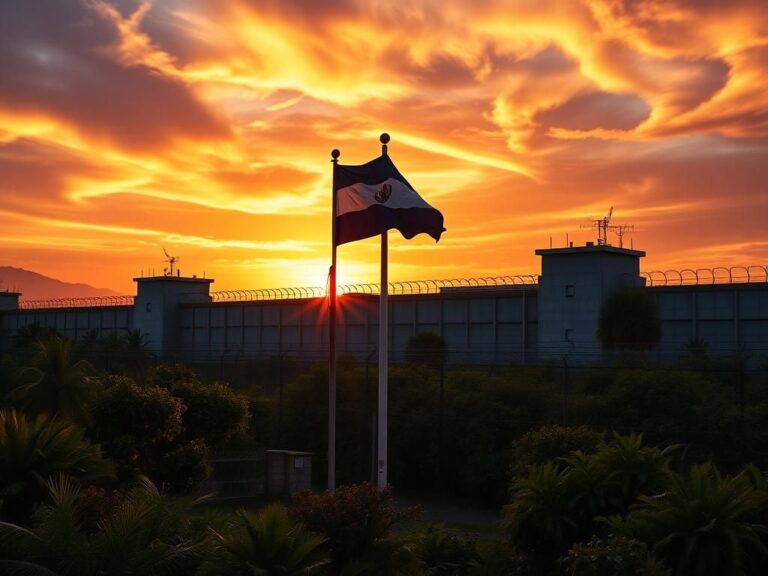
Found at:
(171, 260)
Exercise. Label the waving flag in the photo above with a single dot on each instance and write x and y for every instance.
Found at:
(369, 200)
(375, 197)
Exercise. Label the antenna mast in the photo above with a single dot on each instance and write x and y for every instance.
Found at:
(601, 225)
(171, 260)
(620, 230)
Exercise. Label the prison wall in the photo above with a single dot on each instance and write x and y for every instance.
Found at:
(479, 326)
(729, 319)
(74, 323)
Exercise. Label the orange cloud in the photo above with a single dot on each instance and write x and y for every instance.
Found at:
(204, 127)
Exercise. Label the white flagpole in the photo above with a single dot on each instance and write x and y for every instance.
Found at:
(381, 478)
(332, 337)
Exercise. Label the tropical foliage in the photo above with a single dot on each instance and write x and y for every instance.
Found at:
(559, 503)
(266, 543)
(166, 427)
(613, 556)
(55, 384)
(147, 534)
(549, 443)
(34, 450)
(704, 523)
(357, 521)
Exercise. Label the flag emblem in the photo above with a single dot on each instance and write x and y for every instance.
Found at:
(383, 194)
(374, 197)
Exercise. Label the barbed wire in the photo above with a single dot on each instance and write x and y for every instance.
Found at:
(672, 277)
(396, 288)
(703, 276)
(87, 302)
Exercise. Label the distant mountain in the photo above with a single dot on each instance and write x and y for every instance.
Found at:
(34, 286)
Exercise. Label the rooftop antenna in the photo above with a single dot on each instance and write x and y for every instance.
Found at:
(601, 225)
(168, 271)
(620, 230)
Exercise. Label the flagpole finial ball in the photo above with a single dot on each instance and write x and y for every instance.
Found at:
(384, 138)
(335, 153)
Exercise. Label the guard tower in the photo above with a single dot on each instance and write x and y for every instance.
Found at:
(9, 300)
(156, 308)
(574, 283)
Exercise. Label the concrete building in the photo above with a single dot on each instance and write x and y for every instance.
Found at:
(504, 320)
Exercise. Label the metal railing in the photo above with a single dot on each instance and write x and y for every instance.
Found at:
(88, 302)
(700, 276)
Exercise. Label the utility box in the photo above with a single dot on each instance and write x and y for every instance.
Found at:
(288, 472)
(236, 475)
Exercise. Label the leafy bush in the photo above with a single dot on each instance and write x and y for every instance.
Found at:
(214, 413)
(146, 534)
(612, 556)
(168, 375)
(267, 543)
(539, 520)
(633, 470)
(95, 503)
(444, 552)
(182, 466)
(356, 520)
(549, 443)
(426, 348)
(139, 428)
(560, 503)
(484, 414)
(703, 524)
(55, 384)
(32, 451)
(147, 415)
(497, 557)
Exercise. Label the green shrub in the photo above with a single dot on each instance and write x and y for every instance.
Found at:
(267, 543)
(181, 467)
(140, 428)
(146, 533)
(612, 556)
(704, 523)
(496, 558)
(148, 415)
(357, 522)
(561, 502)
(168, 375)
(539, 521)
(56, 384)
(551, 442)
(426, 348)
(213, 412)
(444, 552)
(33, 451)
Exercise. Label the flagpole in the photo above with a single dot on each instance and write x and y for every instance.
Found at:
(332, 336)
(381, 478)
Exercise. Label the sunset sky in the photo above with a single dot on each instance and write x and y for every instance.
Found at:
(205, 127)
